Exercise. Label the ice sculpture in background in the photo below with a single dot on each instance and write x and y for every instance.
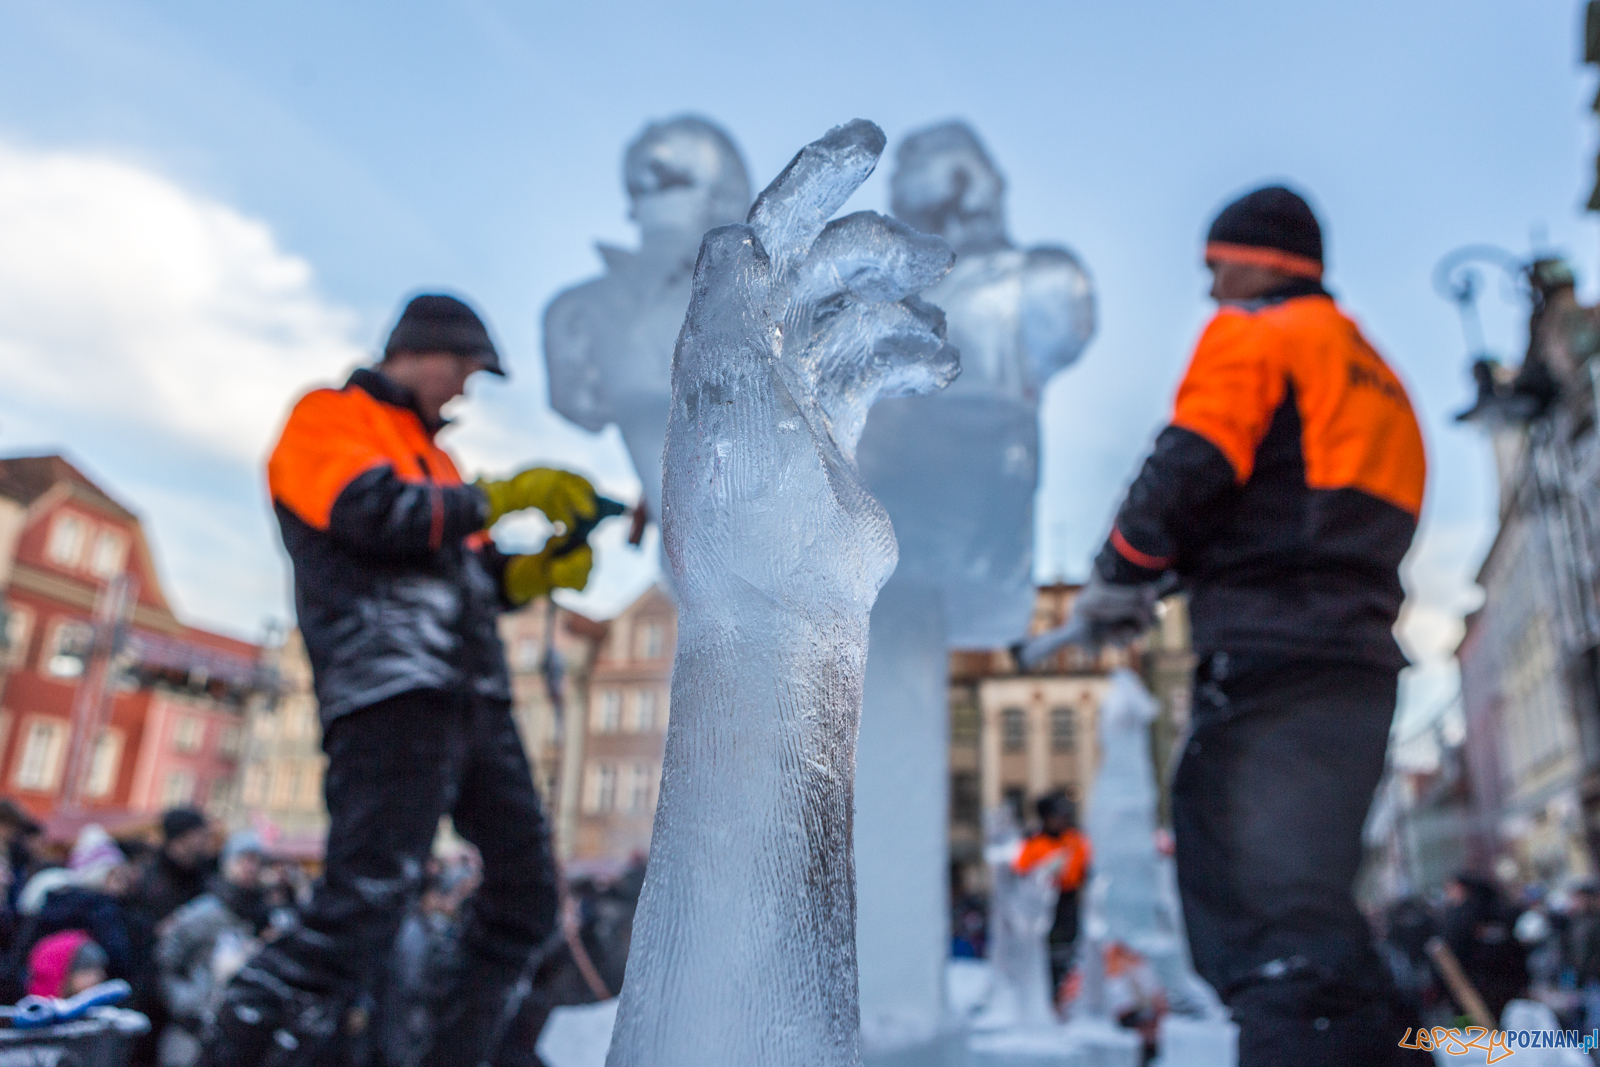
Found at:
(608, 342)
(1022, 908)
(957, 473)
(744, 943)
(1132, 898)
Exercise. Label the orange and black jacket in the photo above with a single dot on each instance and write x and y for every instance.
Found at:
(1073, 848)
(396, 586)
(1286, 488)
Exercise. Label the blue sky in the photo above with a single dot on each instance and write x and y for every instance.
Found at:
(322, 159)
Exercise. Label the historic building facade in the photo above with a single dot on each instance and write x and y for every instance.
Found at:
(109, 705)
(1015, 737)
(552, 705)
(625, 735)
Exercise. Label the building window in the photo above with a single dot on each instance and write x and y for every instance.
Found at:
(222, 792)
(602, 787)
(257, 784)
(966, 798)
(1063, 730)
(296, 720)
(188, 731)
(178, 789)
(650, 642)
(310, 787)
(104, 763)
(18, 628)
(68, 649)
(644, 711)
(1013, 730)
(608, 713)
(1016, 798)
(110, 553)
(67, 536)
(638, 788)
(43, 747)
(288, 787)
(231, 741)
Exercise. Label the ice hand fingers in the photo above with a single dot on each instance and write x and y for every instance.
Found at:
(872, 258)
(792, 211)
(869, 352)
(728, 308)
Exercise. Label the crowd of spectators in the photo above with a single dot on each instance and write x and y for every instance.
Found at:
(177, 917)
(1531, 943)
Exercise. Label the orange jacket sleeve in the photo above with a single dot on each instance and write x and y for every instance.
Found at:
(322, 450)
(345, 467)
(1223, 409)
(1231, 389)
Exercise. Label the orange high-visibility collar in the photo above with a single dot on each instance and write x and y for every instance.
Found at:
(1271, 258)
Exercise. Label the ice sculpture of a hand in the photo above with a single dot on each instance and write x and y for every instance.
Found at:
(744, 943)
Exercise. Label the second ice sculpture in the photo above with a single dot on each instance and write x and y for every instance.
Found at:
(1022, 908)
(744, 942)
(957, 473)
(1133, 898)
(608, 342)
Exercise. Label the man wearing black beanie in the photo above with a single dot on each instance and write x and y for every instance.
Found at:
(1282, 495)
(398, 587)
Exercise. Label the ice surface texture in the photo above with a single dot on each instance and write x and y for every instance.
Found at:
(608, 342)
(744, 943)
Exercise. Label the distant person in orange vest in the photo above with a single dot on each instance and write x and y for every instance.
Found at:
(398, 588)
(1060, 838)
(1282, 495)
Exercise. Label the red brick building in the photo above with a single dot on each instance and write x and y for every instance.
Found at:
(629, 687)
(169, 726)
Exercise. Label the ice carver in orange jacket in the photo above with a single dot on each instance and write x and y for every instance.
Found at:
(1283, 495)
(1060, 839)
(397, 589)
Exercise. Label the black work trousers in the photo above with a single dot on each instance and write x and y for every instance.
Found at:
(1063, 938)
(394, 769)
(1269, 799)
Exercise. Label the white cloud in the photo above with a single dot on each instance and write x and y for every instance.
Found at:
(1440, 592)
(159, 337)
(124, 297)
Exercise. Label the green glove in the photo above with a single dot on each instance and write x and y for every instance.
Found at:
(531, 577)
(564, 497)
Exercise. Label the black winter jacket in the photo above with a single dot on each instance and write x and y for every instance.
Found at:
(397, 587)
(1286, 489)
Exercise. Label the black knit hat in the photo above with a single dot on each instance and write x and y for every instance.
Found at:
(1271, 227)
(175, 822)
(434, 322)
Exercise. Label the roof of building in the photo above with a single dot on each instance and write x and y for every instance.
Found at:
(27, 478)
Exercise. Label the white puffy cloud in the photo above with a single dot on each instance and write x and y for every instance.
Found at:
(123, 297)
(158, 337)
(1440, 592)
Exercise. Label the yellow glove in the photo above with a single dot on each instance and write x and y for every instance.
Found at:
(531, 577)
(564, 497)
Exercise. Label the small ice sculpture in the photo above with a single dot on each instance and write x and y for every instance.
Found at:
(1131, 900)
(608, 342)
(957, 473)
(1022, 908)
(744, 943)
